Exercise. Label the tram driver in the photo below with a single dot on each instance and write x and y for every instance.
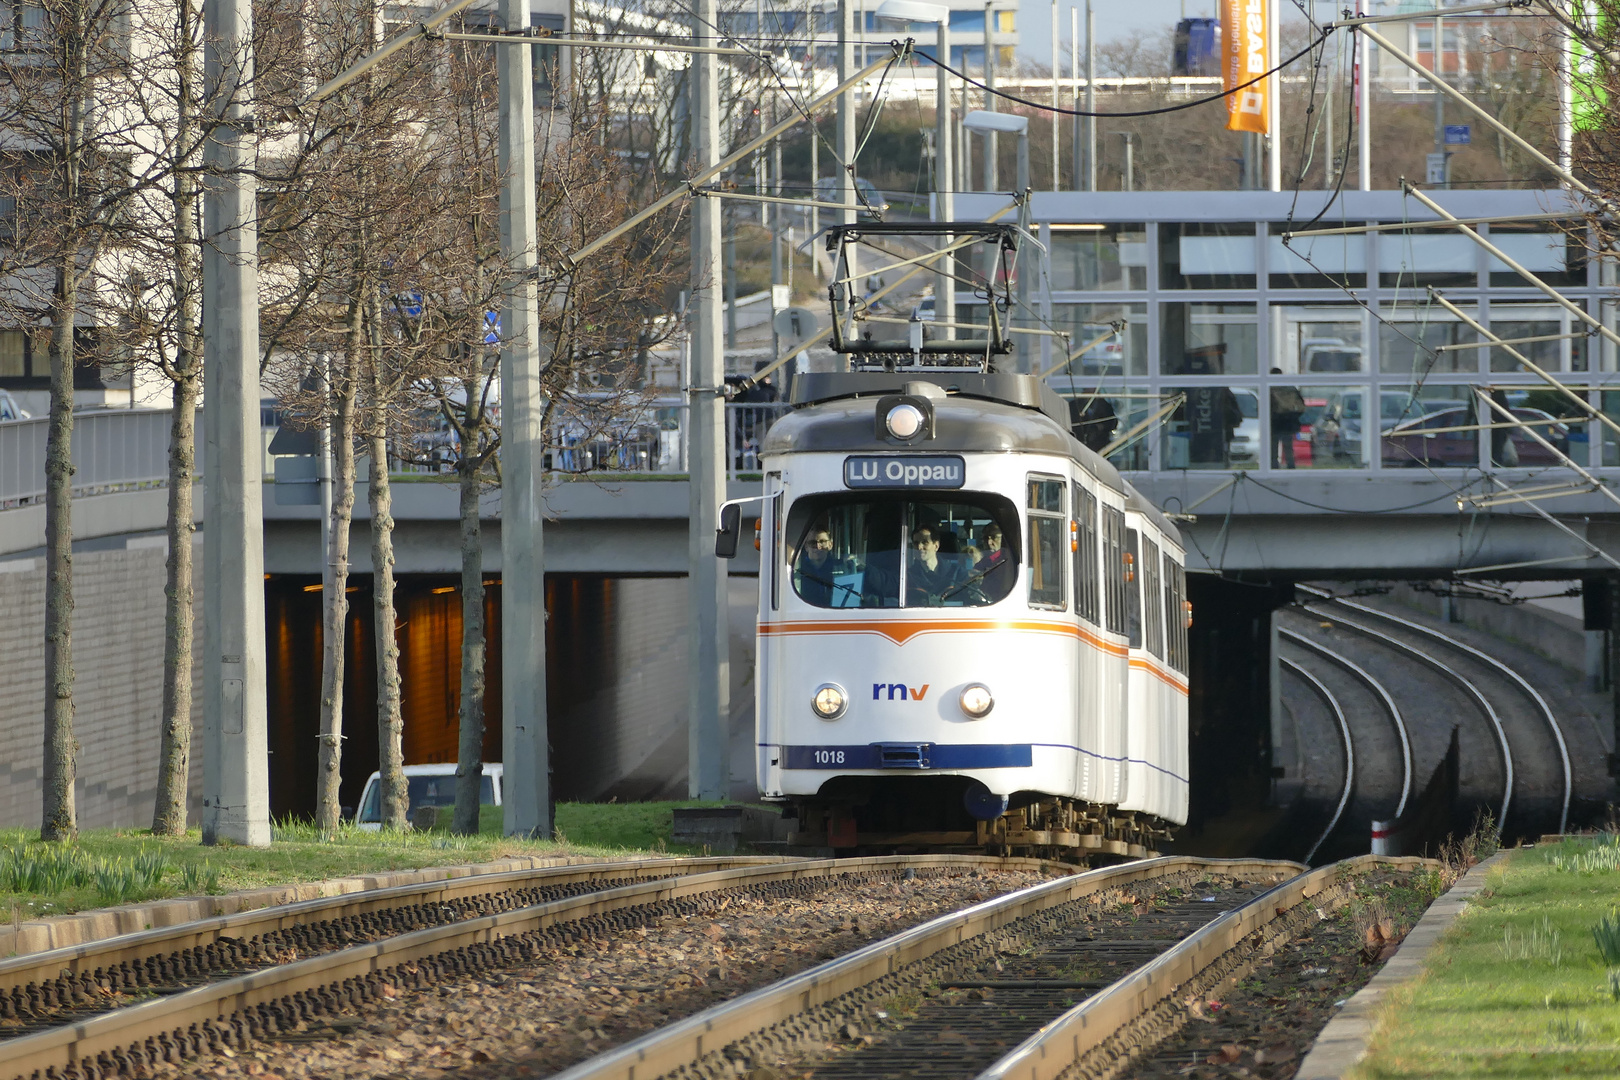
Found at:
(929, 579)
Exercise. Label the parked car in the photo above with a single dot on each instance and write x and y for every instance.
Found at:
(1305, 437)
(1338, 430)
(10, 410)
(1245, 444)
(1424, 440)
(426, 785)
(1330, 354)
(1105, 359)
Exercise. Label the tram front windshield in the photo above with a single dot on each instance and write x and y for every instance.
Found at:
(894, 551)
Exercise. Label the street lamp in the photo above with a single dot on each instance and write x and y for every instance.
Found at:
(916, 11)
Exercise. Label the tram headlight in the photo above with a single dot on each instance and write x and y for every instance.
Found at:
(976, 701)
(904, 421)
(829, 701)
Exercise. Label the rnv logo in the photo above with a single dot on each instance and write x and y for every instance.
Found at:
(898, 690)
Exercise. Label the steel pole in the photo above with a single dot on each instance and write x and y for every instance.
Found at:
(1363, 82)
(987, 139)
(1440, 98)
(236, 772)
(1075, 142)
(524, 744)
(944, 188)
(1091, 98)
(847, 120)
(1274, 149)
(1057, 142)
(708, 659)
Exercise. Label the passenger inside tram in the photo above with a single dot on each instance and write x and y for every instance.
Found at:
(816, 576)
(849, 553)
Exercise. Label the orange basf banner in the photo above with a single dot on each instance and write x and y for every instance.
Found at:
(1246, 55)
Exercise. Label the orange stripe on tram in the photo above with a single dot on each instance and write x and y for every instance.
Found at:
(902, 631)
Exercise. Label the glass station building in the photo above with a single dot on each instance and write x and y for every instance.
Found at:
(1210, 301)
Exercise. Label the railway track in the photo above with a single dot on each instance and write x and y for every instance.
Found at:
(1373, 732)
(1089, 972)
(113, 1007)
(1346, 743)
(1537, 782)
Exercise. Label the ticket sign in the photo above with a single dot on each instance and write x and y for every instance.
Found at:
(910, 471)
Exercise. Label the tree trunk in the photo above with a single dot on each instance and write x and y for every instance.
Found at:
(60, 819)
(390, 726)
(334, 601)
(470, 749)
(174, 754)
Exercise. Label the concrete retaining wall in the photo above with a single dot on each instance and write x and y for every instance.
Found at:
(1556, 636)
(118, 688)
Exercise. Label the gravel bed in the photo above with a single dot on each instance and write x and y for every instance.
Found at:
(979, 1005)
(1264, 1026)
(589, 996)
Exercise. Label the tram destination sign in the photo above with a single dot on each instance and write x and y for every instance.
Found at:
(894, 471)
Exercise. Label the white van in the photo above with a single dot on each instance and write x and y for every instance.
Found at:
(426, 785)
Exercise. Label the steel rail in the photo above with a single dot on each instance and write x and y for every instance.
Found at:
(1461, 681)
(1506, 672)
(687, 1041)
(114, 1032)
(110, 952)
(1368, 680)
(1232, 938)
(1349, 749)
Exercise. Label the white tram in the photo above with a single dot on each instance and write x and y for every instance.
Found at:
(972, 631)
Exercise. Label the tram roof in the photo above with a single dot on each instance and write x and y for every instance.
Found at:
(982, 413)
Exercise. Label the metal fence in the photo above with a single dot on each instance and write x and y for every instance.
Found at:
(113, 450)
(648, 440)
(122, 450)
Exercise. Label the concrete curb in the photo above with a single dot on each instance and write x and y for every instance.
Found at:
(1343, 1043)
(39, 935)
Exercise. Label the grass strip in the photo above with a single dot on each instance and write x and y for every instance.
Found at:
(1519, 986)
(106, 867)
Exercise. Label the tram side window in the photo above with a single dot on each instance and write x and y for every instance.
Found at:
(1152, 604)
(1114, 567)
(1133, 589)
(1085, 556)
(890, 551)
(1175, 614)
(773, 509)
(1046, 540)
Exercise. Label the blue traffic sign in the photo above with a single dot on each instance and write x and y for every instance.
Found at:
(1458, 135)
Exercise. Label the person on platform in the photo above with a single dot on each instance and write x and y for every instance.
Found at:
(1287, 406)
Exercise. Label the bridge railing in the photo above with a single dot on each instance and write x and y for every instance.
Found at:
(113, 450)
(649, 440)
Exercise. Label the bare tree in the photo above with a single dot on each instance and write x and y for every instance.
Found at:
(343, 200)
(78, 162)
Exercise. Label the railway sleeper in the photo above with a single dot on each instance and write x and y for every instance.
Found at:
(809, 1031)
(300, 1011)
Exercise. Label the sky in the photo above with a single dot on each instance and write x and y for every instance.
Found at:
(1115, 18)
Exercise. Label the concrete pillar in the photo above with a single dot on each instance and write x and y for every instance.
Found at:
(236, 776)
(709, 692)
(524, 746)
